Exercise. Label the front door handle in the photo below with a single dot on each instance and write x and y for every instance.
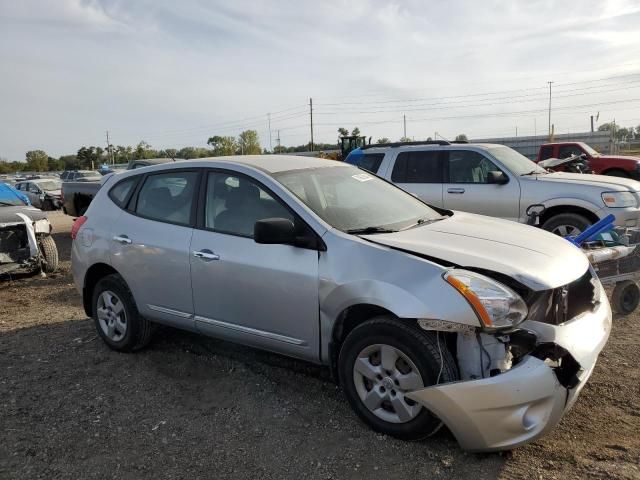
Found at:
(123, 239)
(455, 190)
(206, 255)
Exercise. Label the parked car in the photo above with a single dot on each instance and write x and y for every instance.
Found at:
(26, 243)
(43, 193)
(614, 165)
(424, 315)
(497, 181)
(77, 196)
(79, 175)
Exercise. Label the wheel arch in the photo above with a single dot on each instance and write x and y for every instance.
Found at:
(612, 170)
(348, 319)
(552, 211)
(94, 274)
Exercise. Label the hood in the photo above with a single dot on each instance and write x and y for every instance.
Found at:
(8, 214)
(603, 181)
(53, 193)
(536, 258)
(619, 157)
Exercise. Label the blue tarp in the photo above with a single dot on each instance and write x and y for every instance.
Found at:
(11, 195)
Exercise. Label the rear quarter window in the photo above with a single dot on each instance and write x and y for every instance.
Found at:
(370, 161)
(121, 191)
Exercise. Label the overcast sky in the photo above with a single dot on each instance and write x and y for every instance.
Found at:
(173, 73)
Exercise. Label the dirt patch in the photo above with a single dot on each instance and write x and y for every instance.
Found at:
(193, 407)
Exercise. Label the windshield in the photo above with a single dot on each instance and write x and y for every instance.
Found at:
(352, 200)
(515, 162)
(589, 150)
(49, 185)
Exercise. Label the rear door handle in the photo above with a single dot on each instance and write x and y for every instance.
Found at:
(123, 239)
(455, 190)
(206, 255)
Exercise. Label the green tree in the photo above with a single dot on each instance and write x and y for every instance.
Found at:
(37, 160)
(383, 140)
(355, 132)
(343, 132)
(223, 145)
(144, 150)
(68, 162)
(462, 138)
(405, 139)
(249, 143)
(171, 152)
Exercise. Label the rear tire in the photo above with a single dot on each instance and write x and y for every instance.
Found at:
(49, 252)
(417, 357)
(116, 316)
(567, 224)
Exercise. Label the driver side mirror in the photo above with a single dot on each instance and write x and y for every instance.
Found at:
(274, 231)
(497, 177)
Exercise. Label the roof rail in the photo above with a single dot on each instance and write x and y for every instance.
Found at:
(403, 144)
(459, 141)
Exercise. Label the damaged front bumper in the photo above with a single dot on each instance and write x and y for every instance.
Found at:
(523, 403)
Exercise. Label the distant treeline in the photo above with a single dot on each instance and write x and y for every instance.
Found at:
(91, 157)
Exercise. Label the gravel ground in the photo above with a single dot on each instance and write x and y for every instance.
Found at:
(193, 407)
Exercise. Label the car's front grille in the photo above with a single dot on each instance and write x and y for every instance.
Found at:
(566, 302)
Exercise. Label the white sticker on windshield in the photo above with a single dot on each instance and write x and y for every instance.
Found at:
(362, 177)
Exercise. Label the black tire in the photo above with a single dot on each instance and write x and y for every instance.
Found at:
(47, 205)
(49, 252)
(617, 173)
(556, 223)
(625, 297)
(420, 346)
(139, 329)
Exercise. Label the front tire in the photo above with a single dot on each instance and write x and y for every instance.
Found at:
(381, 361)
(116, 316)
(567, 224)
(49, 252)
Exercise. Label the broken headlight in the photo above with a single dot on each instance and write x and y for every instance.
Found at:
(495, 304)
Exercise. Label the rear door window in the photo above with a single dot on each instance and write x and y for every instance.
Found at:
(417, 167)
(168, 197)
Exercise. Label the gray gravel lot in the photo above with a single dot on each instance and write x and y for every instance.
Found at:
(193, 407)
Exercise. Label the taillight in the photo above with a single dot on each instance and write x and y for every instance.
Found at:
(76, 226)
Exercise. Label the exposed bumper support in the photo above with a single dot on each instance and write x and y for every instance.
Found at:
(517, 406)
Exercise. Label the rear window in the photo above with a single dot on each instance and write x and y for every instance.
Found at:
(546, 152)
(121, 191)
(417, 167)
(370, 161)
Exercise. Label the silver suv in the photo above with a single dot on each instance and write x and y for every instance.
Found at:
(497, 181)
(424, 316)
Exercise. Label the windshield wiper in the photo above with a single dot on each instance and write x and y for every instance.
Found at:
(533, 172)
(366, 230)
(424, 221)
(7, 204)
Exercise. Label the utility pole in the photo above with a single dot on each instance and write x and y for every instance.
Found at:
(550, 83)
(109, 154)
(278, 140)
(516, 131)
(591, 123)
(311, 118)
(404, 122)
(269, 123)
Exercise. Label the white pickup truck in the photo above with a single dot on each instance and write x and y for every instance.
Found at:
(497, 181)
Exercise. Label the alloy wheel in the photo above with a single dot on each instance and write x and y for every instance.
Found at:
(383, 375)
(112, 315)
(566, 230)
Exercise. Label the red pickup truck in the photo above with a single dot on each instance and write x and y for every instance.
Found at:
(615, 165)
